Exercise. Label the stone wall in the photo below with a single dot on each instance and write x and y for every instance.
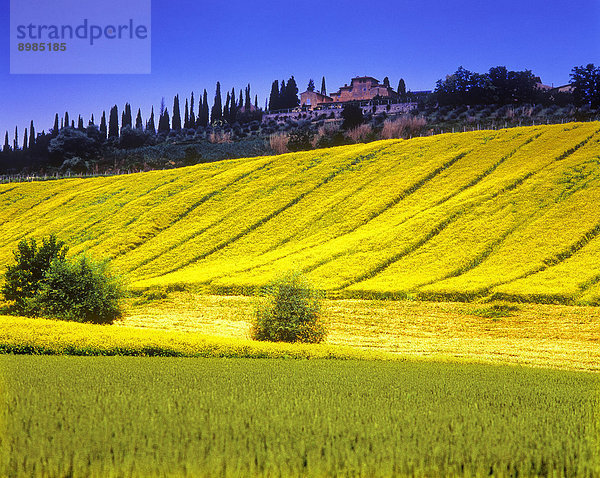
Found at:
(394, 109)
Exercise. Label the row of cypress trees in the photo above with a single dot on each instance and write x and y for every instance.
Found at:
(195, 114)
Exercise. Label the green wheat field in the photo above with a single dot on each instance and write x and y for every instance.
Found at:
(134, 416)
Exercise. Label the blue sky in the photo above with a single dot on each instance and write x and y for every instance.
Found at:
(195, 43)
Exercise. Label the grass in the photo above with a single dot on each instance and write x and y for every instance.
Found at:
(454, 216)
(72, 416)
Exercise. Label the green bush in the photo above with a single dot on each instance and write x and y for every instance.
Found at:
(81, 290)
(23, 279)
(42, 282)
(289, 311)
(353, 116)
(300, 139)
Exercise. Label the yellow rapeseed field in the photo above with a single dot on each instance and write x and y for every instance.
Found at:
(508, 214)
(21, 335)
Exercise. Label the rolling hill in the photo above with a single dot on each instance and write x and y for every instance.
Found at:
(511, 213)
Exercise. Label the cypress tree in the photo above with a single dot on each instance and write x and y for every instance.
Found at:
(281, 99)
(256, 102)
(386, 82)
(113, 123)
(234, 107)
(161, 112)
(91, 121)
(402, 89)
(66, 119)
(227, 109)
(73, 124)
(199, 121)
(291, 93)
(25, 140)
(31, 135)
(241, 100)
(204, 121)
(323, 89)
(103, 129)
(167, 121)
(176, 114)
(6, 148)
(192, 116)
(164, 123)
(16, 141)
(160, 126)
(126, 118)
(186, 118)
(217, 109)
(274, 96)
(80, 123)
(311, 85)
(150, 126)
(55, 128)
(248, 101)
(139, 124)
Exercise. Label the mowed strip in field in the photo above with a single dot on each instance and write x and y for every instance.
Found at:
(186, 324)
(539, 335)
(454, 216)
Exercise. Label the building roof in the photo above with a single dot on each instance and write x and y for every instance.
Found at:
(320, 95)
(365, 78)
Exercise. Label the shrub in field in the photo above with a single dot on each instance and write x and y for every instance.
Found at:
(24, 278)
(43, 282)
(289, 312)
(82, 290)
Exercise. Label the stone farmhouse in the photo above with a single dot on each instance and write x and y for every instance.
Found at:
(361, 88)
(568, 88)
(312, 99)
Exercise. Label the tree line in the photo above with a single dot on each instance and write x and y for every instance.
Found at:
(74, 138)
(500, 86)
